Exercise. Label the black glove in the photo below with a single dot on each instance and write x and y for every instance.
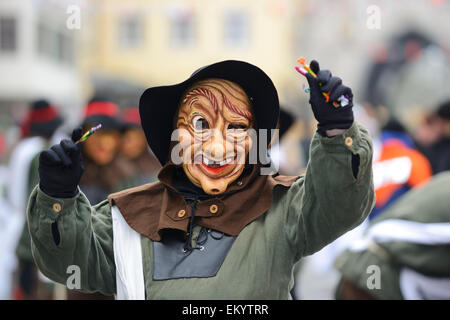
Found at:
(60, 168)
(330, 116)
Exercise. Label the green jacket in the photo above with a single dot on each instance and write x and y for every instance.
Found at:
(315, 210)
(23, 249)
(392, 250)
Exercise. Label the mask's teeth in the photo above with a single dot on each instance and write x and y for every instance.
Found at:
(211, 163)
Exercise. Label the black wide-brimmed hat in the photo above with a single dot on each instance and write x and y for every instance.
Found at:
(158, 105)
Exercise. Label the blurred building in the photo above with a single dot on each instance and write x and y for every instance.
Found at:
(37, 56)
(122, 47)
(134, 44)
(131, 45)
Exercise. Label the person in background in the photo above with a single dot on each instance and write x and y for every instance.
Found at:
(8, 230)
(404, 253)
(134, 148)
(398, 165)
(105, 172)
(38, 127)
(434, 138)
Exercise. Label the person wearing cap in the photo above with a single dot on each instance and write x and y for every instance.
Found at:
(217, 224)
(135, 150)
(104, 171)
(37, 128)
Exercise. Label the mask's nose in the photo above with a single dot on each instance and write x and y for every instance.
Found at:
(215, 147)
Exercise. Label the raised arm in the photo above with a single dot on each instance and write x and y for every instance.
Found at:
(72, 242)
(337, 191)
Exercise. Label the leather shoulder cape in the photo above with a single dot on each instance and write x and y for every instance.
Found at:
(151, 208)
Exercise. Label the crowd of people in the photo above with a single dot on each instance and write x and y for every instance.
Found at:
(407, 232)
(115, 158)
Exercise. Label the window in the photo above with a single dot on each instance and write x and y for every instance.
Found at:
(55, 45)
(45, 45)
(8, 34)
(236, 29)
(131, 32)
(65, 48)
(182, 29)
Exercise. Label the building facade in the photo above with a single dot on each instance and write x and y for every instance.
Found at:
(37, 56)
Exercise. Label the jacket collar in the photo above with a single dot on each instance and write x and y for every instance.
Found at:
(152, 208)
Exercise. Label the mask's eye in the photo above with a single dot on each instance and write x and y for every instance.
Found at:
(200, 123)
(237, 126)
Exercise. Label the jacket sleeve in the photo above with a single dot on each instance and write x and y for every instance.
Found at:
(336, 193)
(71, 239)
(23, 249)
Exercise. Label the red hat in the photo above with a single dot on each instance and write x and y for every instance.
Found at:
(131, 118)
(100, 110)
(2, 144)
(42, 119)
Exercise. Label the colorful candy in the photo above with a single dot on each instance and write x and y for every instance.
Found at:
(343, 101)
(89, 133)
(302, 61)
(307, 90)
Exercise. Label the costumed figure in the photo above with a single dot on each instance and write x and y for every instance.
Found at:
(215, 225)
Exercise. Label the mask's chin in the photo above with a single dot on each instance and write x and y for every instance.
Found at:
(210, 184)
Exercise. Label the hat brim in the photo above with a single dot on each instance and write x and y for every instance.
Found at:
(130, 125)
(46, 128)
(158, 105)
(107, 122)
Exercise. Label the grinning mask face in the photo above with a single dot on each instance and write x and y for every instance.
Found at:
(213, 120)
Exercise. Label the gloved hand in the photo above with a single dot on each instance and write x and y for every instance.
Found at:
(328, 115)
(60, 168)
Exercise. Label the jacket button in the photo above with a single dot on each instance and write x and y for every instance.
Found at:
(348, 141)
(213, 208)
(57, 207)
(181, 213)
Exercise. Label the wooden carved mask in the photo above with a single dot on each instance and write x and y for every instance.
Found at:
(213, 119)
